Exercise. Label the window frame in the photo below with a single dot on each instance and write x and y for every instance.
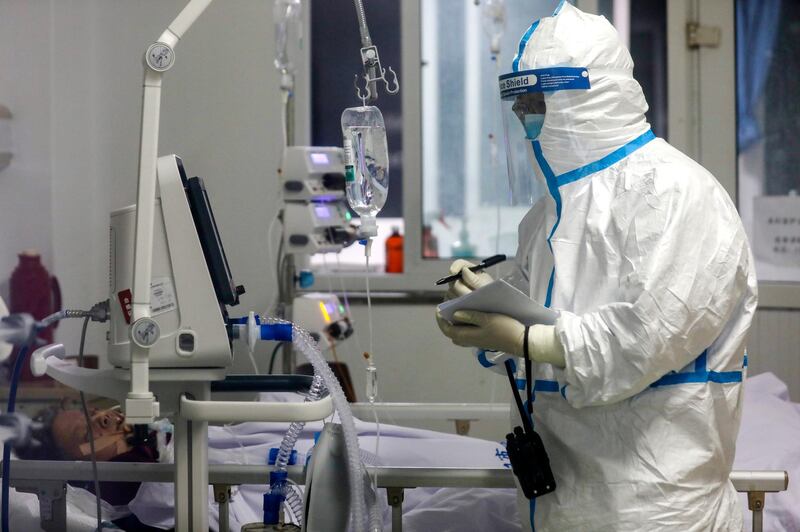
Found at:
(702, 109)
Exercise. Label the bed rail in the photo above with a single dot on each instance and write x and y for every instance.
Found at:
(47, 479)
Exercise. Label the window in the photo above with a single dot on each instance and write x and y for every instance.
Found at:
(768, 133)
(335, 59)
(465, 194)
(445, 130)
(466, 210)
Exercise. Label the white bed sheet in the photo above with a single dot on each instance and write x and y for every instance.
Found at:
(424, 509)
(769, 439)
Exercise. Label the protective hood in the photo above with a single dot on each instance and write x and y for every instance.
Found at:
(583, 126)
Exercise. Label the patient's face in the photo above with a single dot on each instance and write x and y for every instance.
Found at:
(109, 429)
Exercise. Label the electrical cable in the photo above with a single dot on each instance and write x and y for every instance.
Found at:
(271, 257)
(90, 432)
(272, 358)
(529, 383)
(346, 383)
(279, 269)
(526, 420)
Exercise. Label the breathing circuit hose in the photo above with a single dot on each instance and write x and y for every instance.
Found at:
(306, 345)
(12, 400)
(293, 500)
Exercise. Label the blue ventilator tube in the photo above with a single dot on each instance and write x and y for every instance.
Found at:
(272, 508)
(279, 332)
(275, 497)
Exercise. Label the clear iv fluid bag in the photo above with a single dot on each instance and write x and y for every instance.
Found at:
(366, 160)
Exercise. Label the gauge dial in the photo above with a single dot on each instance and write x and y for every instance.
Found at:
(160, 56)
(145, 332)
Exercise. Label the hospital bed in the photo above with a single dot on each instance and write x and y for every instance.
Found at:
(455, 495)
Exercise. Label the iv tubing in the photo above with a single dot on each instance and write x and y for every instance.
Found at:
(367, 253)
(374, 517)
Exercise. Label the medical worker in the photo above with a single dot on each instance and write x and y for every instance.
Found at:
(638, 385)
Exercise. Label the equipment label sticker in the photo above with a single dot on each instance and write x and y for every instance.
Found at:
(543, 80)
(162, 296)
(126, 302)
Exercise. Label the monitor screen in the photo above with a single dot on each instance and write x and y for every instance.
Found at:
(216, 260)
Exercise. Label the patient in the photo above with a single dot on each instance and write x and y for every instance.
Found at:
(63, 436)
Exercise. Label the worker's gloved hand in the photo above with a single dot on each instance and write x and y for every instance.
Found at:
(469, 281)
(499, 332)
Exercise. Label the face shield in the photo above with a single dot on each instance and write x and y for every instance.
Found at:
(528, 103)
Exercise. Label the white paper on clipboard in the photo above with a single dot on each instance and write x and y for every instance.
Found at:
(502, 298)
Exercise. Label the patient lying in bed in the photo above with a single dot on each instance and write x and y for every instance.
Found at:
(65, 437)
(768, 440)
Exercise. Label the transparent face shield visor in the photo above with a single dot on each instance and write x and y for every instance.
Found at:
(525, 96)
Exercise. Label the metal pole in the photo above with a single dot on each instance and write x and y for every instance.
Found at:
(395, 497)
(181, 490)
(222, 495)
(755, 502)
(199, 463)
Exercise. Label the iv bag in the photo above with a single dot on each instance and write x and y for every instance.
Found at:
(494, 23)
(287, 16)
(366, 163)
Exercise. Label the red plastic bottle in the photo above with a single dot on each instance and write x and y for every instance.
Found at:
(394, 252)
(35, 292)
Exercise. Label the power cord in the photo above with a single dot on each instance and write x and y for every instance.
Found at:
(272, 358)
(90, 432)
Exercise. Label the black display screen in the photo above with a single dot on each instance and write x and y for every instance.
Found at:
(216, 260)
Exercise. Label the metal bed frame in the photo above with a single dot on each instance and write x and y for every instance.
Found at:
(48, 480)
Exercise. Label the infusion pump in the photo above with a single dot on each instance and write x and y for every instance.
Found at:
(316, 218)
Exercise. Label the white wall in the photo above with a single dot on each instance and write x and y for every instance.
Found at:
(25, 81)
(71, 72)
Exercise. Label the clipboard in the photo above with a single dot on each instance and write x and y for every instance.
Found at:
(501, 298)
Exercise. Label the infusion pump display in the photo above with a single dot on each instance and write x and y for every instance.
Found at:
(319, 160)
(312, 173)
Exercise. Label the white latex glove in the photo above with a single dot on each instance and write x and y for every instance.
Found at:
(499, 332)
(469, 280)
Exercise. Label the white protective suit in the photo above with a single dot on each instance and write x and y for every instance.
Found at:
(645, 256)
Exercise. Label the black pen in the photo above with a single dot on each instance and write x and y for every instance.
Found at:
(486, 263)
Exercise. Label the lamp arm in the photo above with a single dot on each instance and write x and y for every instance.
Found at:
(140, 405)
